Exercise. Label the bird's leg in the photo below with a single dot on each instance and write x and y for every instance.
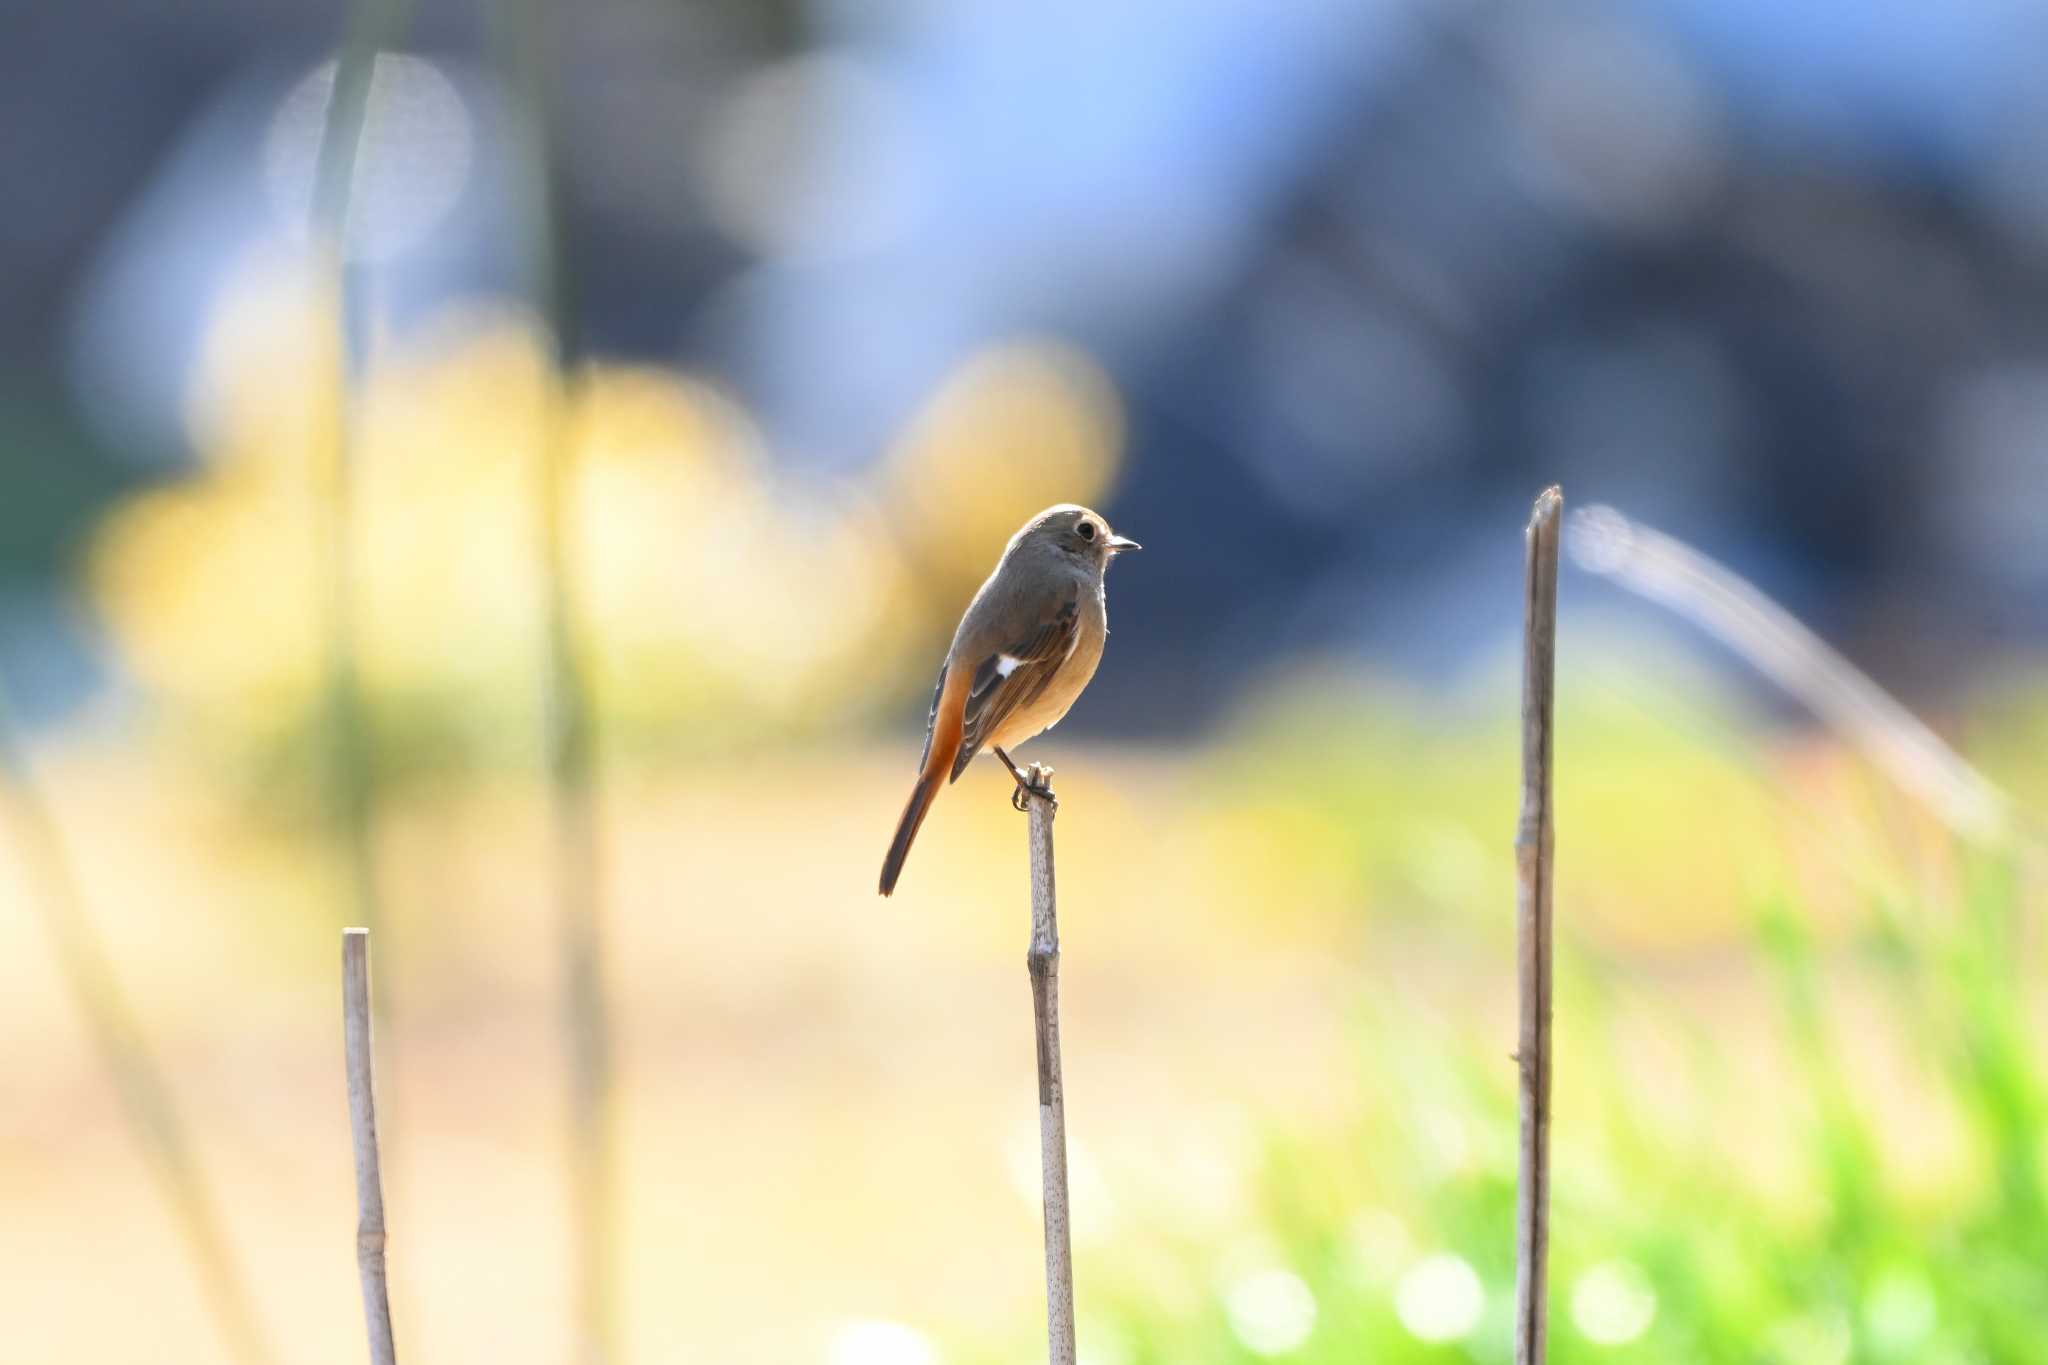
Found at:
(1026, 788)
(1018, 798)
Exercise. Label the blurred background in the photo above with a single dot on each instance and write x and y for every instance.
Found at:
(539, 542)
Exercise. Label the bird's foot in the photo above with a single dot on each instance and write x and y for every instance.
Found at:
(1038, 784)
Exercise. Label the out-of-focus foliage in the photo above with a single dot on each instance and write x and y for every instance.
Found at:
(1799, 1080)
(1363, 801)
(1350, 281)
(1800, 1105)
(722, 602)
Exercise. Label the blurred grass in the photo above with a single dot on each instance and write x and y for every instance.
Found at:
(1799, 1082)
(148, 1100)
(524, 37)
(726, 604)
(1799, 1068)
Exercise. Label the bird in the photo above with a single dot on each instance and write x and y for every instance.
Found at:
(1029, 643)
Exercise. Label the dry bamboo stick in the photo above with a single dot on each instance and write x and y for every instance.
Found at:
(1044, 963)
(1534, 842)
(362, 1115)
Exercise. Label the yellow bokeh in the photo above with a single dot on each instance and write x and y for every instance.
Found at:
(1013, 430)
(717, 597)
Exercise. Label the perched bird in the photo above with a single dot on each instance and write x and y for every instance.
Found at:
(1028, 644)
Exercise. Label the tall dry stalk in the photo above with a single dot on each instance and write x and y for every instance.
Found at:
(570, 721)
(360, 1046)
(147, 1103)
(1043, 961)
(1534, 848)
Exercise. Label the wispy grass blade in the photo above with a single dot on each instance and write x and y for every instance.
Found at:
(350, 772)
(147, 1102)
(374, 25)
(349, 776)
(1669, 572)
(521, 30)
(2000, 1059)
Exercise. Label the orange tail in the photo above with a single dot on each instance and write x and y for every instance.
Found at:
(921, 798)
(938, 767)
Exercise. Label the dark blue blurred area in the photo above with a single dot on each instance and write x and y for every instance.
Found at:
(1367, 276)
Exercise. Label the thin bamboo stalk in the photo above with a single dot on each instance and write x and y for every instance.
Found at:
(1043, 961)
(1534, 846)
(362, 1116)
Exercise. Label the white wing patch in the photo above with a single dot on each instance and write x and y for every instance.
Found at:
(1007, 664)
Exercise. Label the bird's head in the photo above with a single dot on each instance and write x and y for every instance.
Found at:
(1073, 532)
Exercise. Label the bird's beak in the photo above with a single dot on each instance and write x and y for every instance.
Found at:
(1118, 544)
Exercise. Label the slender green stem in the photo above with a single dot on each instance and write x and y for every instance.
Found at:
(570, 726)
(375, 24)
(350, 771)
(146, 1099)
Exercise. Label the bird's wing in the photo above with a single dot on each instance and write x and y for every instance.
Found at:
(931, 722)
(1016, 674)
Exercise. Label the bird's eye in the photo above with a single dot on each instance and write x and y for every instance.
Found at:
(1086, 530)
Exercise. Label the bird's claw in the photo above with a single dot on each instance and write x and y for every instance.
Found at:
(1036, 785)
(1039, 783)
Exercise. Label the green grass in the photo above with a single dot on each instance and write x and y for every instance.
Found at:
(1799, 1118)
